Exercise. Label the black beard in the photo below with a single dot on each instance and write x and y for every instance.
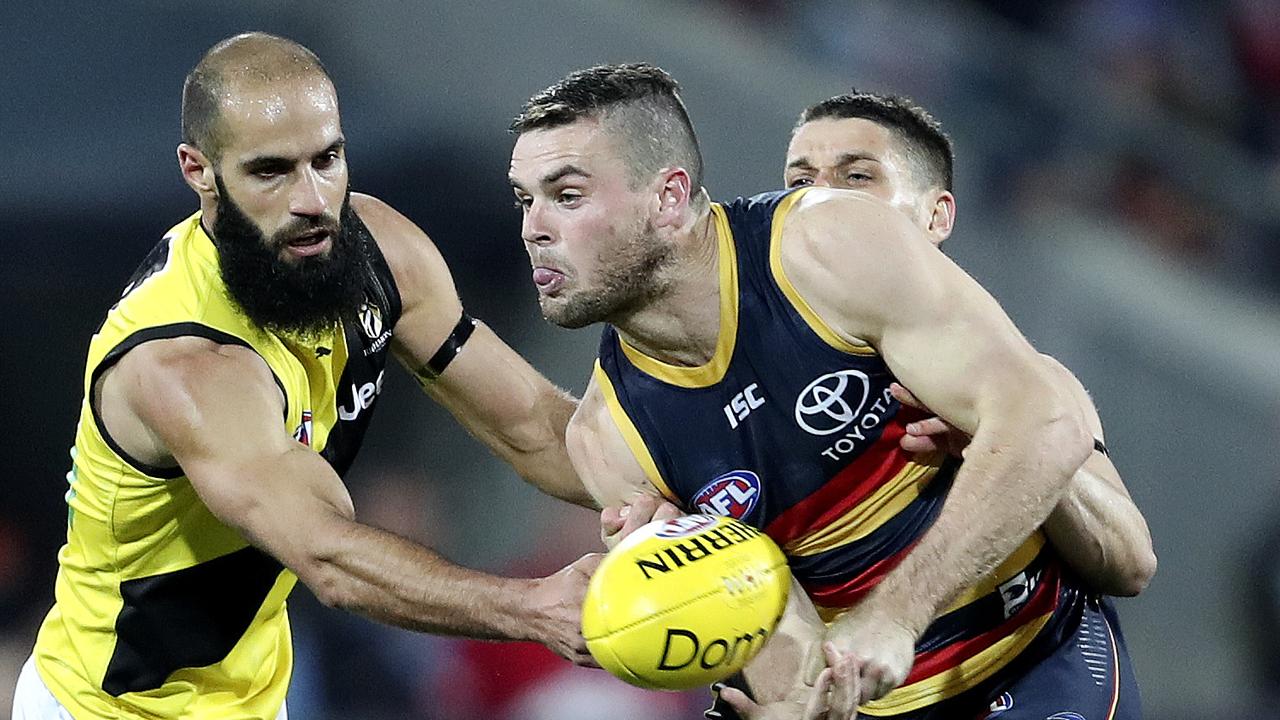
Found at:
(299, 297)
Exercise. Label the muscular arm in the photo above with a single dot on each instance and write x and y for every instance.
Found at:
(1096, 527)
(948, 340)
(216, 412)
(488, 387)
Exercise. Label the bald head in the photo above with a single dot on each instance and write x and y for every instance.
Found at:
(243, 62)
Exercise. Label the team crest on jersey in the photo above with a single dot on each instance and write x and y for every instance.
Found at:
(685, 526)
(733, 494)
(371, 320)
(303, 433)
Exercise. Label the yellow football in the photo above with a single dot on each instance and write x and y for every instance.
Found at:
(685, 602)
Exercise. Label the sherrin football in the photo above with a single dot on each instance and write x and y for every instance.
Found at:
(685, 602)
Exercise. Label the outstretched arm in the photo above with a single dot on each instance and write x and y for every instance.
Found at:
(216, 411)
(487, 386)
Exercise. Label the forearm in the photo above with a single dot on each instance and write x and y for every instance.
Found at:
(375, 573)
(779, 670)
(516, 413)
(1014, 473)
(541, 458)
(1099, 532)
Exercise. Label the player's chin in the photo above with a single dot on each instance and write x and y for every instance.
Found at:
(558, 311)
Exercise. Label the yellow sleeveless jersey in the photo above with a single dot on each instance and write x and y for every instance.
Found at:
(162, 611)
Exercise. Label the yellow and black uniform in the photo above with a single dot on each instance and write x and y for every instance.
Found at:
(161, 610)
(792, 429)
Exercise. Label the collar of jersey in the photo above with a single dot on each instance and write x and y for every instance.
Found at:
(712, 371)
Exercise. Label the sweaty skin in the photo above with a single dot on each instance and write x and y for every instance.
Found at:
(215, 411)
(1096, 528)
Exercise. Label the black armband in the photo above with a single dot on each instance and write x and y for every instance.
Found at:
(1100, 447)
(448, 349)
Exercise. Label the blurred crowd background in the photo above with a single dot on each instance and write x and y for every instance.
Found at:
(1118, 182)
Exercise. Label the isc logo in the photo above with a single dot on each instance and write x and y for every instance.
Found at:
(742, 404)
(733, 494)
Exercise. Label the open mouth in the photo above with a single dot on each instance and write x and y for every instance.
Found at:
(310, 243)
(548, 280)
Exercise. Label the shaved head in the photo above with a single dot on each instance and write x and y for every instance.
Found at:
(250, 60)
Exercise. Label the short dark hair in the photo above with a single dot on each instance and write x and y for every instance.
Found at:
(641, 100)
(252, 56)
(927, 145)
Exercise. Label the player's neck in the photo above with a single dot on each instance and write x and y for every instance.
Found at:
(682, 325)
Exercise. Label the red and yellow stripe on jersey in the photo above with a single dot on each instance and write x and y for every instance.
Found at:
(791, 427)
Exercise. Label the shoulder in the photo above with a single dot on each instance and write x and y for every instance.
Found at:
(833, 220)
(180, 366)
(416, 263)
(191, 382)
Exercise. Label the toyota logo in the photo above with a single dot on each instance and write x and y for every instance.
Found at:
(823, 407)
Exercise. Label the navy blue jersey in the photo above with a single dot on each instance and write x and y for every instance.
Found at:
(792, 428)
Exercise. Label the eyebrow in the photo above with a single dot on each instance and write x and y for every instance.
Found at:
(551, 177)
(802, 163)
(846, 158)
(268, 161)
(563, 172)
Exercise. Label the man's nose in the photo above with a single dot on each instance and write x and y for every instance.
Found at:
(533, 226)
(307, 198)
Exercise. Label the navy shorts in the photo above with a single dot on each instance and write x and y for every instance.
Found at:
(1080, 673)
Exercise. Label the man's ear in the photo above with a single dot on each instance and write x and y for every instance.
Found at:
(197, 171)
(674, 196)
(942, 217)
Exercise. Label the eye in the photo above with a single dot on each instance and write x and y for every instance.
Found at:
(800, 182)
(326, 161)
(522, 202)
(858, 177)
(568, 197)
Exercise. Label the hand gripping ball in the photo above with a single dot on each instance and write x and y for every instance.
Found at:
(685, 602)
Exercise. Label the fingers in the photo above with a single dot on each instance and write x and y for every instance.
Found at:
(875, 684)
(815, 662)
(929, 426)
(611, 519)
(617, 522)
(816, 707)
(638, 513)
(846, 689)
(667, 511)
(741, 704)
(904, 396)
(916, 444)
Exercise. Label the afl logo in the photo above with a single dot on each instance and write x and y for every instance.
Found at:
(685, 526)
(733, 494)
(832, 401)
(371, 320)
